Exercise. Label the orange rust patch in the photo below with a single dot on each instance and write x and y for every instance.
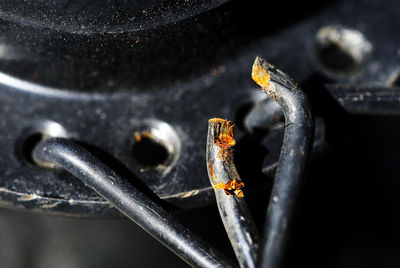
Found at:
(260, 75)
(211, 168)
(218, 120)
(232, 187)
(223, 136)
(140, 136)
(225, 141)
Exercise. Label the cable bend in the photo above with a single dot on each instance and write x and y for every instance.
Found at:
(296, 149)
(66, 154)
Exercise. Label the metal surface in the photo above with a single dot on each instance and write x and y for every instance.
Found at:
(383, 100)
(296, 149)
(66, 154)
(106, 124)
(102, 46)
(104, 109)
(107, 107)
(112, 74)
(232, 206)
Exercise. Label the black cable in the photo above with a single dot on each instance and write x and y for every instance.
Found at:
(227, 186)
(296, 148)
(68, 155)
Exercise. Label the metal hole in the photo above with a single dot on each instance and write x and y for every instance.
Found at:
(148, 152)
(155, 145)
(394, 80)
(33, 135)
(341, 51)
(29, 144)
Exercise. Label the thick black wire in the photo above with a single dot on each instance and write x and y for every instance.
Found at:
(296, 148)
(68, 155)
(233, 209)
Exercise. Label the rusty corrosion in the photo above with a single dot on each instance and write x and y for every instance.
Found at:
(296, 147)
(228, 189)
(261, 76)
(211, 169)
(223, 136)
(232, 187)
(143, 135)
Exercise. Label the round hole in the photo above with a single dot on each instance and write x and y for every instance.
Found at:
(155, 145)
(32, 135)
(148, 152)
(341, 51)
(394, 80)
(30, 143)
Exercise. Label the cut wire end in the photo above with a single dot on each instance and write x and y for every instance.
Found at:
(266, 75)
(228, 191)
(296, 148)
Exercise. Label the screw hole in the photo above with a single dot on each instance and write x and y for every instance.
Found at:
(155, 145)
(394, 80)
(148, 152)
(32, 135)
(30, 143)
(336, 59)
(341, 51)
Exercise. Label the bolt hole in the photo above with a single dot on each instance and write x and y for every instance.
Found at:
(32, 135)
(148, 152)
(335, 59)
(29, 145)
(394, 80)
(341, 51)
(155, 144)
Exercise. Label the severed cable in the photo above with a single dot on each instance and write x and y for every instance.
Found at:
(228, 186)
(296, 148)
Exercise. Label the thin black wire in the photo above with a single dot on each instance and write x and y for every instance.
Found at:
(296, 148)
(233, 209)
(68, 155)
